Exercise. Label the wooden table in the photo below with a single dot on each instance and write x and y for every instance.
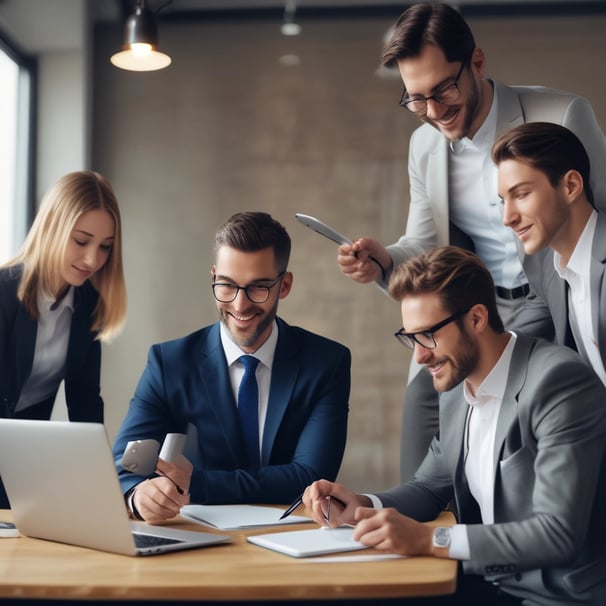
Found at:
(32, 568)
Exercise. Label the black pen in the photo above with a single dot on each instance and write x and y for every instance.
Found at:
(299, 500)
(293, 506)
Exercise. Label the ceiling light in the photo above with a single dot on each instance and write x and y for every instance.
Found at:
(140, 51)
(289, 27)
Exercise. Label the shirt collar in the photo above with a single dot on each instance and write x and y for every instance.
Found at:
(485, 136)
(493, 385)
(45, 301)
(580, 259)
(265, 353)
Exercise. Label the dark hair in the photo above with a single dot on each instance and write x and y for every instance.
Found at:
(429, 24)
(458, 276)
(253, 231)
(550, 148)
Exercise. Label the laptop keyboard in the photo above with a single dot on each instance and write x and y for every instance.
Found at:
(150, 540)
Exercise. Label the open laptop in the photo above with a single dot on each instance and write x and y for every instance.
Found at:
(63, 486)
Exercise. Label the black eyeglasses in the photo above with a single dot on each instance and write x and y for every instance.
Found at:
(225, 292)
(425, 338)
(446, 95)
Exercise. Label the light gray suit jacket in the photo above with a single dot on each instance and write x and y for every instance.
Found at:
(550, 293)
(428, 214)
(548, 539)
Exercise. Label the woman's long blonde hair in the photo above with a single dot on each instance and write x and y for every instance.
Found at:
(43, 252)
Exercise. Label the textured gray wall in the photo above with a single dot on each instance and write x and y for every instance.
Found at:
(227, 128)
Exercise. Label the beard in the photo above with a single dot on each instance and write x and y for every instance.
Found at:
(469, 111)
(461, 364)
(249, 338)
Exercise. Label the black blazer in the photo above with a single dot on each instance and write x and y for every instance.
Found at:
(17, 344)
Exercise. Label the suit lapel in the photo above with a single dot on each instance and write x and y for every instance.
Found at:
(214, 376)
(284, 374)
(597, 284)
(24, 342)
(510, 110)
(508, 412)
(437, 189)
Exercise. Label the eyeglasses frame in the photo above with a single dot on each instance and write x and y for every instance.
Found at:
(245, 289)
(405, 101)
(400, 335)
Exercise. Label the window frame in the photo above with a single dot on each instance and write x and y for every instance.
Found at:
(24, 202)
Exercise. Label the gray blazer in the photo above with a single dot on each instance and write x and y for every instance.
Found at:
(548, 540)
(549, 293)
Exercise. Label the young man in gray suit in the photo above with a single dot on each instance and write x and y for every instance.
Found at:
(453, 193)
(521, 449)
(544, 176)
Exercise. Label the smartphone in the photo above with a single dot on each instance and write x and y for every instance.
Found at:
(323, 229)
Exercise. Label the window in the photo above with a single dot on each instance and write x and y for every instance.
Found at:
(16, 147)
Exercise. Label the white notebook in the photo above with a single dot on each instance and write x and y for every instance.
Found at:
(232, 517)
(306, 543)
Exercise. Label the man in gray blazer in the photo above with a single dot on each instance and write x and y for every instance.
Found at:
(544, 176)
(453, 192)
(521, 449)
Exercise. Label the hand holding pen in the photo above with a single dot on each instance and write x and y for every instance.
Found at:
(329, 504)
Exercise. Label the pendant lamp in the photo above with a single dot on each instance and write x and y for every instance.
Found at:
(140, 50)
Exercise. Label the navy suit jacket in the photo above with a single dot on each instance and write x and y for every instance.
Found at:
(185, 388)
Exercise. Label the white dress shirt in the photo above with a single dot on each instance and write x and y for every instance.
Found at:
(52, 340)
(265, 354)
(475, 206)
(576, 274)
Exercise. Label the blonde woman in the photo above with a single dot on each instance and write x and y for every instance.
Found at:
(60, 297)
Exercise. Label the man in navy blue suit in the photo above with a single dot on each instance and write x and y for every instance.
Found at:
(191, 385)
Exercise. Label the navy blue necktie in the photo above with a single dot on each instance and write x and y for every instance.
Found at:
(248, 409)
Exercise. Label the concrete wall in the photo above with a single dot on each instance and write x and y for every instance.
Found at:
(227, 128)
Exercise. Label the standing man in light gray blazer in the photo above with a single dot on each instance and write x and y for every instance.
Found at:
(544, 176)
(521, 449)
(453, 182)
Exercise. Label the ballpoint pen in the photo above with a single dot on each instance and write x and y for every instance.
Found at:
(293, 506)
(299, 500)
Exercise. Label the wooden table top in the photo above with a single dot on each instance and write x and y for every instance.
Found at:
(34, 568)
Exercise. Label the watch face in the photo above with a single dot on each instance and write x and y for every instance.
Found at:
(441, 537)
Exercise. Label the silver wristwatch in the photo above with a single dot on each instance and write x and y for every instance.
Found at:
(441, 537)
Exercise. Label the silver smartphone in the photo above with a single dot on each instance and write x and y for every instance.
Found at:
(322, 229)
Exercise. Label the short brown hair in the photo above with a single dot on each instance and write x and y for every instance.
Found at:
(458, 276)
(425, 24)
(550, 148)
(253, 231)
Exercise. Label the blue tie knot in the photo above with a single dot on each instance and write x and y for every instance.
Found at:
(250, 363)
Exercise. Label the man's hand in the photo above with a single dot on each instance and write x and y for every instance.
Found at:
(343, 503)
(366, 260)
(388, 530)
(160, 499)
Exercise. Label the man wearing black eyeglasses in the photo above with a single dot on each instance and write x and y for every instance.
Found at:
(264, 404)
(521, 450)
(453, 182)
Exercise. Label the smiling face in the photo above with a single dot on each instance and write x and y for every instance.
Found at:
(430, 72)
(537, 211)
(89, 246)
(455, 356)
(248, 323)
